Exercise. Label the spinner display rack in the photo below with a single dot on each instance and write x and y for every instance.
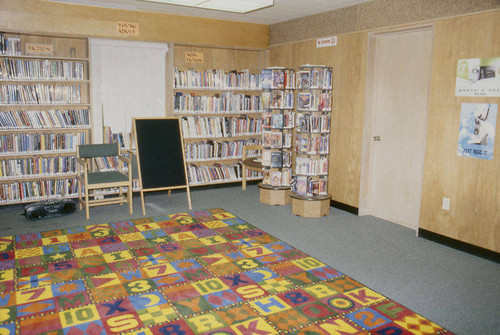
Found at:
(278, 86)
(45, 113)
(310, 197)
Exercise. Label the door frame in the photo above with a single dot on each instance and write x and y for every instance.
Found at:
(368, 127)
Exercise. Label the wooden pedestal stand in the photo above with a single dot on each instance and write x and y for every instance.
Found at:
(310, 207)
(270, 195)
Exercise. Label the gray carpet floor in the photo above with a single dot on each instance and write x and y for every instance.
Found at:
(456, 290)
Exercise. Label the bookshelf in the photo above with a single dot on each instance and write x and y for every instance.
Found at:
(278, 124)
(220, 113)
(309, 194)
(45, 113)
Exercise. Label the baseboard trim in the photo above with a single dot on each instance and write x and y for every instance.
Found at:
(344, 207)
(459, 245)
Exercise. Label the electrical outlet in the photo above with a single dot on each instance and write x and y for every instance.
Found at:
(446, 204)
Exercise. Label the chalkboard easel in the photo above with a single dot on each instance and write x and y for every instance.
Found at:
(160, 155)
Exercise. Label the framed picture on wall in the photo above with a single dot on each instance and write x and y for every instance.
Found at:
(478, 77)
(477, 130)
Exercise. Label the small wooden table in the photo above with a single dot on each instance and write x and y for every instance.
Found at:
(252, 163)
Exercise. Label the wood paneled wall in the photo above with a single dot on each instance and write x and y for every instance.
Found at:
(221, 58)
(56, 18)
(348, 60)
(472, 185)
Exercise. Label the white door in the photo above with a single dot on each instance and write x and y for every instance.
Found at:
(398, 86)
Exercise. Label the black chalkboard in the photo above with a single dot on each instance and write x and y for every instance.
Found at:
(159, 153)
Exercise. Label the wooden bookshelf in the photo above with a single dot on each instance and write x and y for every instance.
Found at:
(220, 113)
(309, 194)
(45, 112)
(216, 94)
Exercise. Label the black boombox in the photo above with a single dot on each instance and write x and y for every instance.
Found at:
(49, 208)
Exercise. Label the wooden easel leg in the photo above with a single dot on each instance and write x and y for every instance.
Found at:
(142, 201)
(189, 197)
(130, 199)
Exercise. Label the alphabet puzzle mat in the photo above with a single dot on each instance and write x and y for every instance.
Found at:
(203, 272)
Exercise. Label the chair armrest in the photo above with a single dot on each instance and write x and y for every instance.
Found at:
(81, 161)
(124, 159)
(247, 148)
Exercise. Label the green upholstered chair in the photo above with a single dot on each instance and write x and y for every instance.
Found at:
(91, 179)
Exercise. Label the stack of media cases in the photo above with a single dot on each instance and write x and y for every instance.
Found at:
(278, 86)
(312, 138)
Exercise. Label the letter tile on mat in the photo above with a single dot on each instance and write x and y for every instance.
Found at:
(192, 273)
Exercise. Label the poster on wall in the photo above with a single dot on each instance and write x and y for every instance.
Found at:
(478, 77)
(477, 130)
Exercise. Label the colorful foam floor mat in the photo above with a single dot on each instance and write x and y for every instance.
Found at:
(202, 272)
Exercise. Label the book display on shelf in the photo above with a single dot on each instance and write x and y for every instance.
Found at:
(220, 113)
(312, 139)
(44, 115)
(278, 123)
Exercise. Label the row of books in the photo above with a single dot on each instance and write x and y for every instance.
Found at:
(123, 138)
(40, 94)
(226, 102)
(277, 78)
(306, 186)
(276, 140)
(216, 79)
(195, 127)
(35, 143)
(37, 166)
(209, 150)
(315, 101)
(10, 45)
(52, 118)
(206, 174)
(107, 163)
(273, 177)
(314, 78)
(36, 69)
(278, 99)
(276, 159)
(313, 123)
(34, 190)
(307, 166)
(278, 120)
(316, 145)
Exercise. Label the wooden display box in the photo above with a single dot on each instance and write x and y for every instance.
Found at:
(274, 197)
(310, 208)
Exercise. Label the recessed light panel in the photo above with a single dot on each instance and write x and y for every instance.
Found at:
(235, 6)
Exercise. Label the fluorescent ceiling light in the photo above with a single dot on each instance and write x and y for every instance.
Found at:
(236, 6)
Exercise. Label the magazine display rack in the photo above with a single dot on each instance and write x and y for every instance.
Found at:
(278, 123)
(45, 113)
(309, 194)
(220, 113)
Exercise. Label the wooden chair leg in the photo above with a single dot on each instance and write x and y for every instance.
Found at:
(244, 177)
(80, 199)
(120, 192)
(87, 211)
(130, 199)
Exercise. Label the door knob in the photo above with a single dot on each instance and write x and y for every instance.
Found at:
(376, 138)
